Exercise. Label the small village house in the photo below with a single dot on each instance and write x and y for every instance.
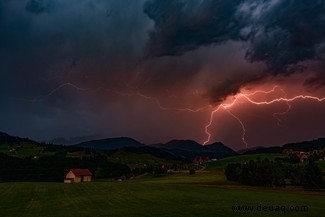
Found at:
(302, 156)
(78, 175)
(201, 160)
(288, 151)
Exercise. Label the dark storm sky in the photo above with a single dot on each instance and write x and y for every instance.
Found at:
(111, 68)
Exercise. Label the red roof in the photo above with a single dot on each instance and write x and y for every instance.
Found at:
(302, 155)
(206, 159)
(81, 172)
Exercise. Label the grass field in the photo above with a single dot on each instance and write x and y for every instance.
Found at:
(135, 160)
(24, 150)
(203, 194)
(222, 163)
(321, 164)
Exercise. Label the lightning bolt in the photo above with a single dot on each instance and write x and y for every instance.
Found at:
(242, 126)
(158, 103)
(278, 114)
(126, 94)
(248, 98)
(52, 92)
(227, 107)
(283, 99)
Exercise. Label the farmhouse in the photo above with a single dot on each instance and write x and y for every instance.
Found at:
(78, 175)
(288, 151)
(201, 160)
(302, 156)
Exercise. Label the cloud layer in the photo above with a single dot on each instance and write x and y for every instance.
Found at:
(281, 33)
(184, 53)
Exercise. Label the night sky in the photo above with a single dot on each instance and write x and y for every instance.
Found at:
(155, 70)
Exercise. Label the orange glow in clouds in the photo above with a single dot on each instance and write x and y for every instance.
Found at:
(258, 98)
(249, 97)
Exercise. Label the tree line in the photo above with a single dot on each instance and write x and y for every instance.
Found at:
(276, 173)
(54, 168)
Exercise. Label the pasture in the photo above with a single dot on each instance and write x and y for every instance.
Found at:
(204, 194)
(222, 163)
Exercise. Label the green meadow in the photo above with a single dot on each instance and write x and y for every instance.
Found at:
(203, 194)
(24, 150)
(222, 163)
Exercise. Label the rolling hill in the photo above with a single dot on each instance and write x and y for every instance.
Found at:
(298, 146)
(27, 160)
(174, 149)
(306, 145)
(111, 143)
(188, 149)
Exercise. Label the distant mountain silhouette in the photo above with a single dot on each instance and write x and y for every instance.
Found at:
(8, 139)
(175, 149)
(111, 143)
(75, 140)
(306, 145)
(220, 147)
(298, 146)
(180, 144)
(185, 149)
(188, 149)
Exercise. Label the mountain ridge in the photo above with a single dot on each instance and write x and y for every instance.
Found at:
(297, 146)
(111, 143)
(186, 149)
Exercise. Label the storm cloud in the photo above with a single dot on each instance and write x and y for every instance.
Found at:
(181, 25)
(37, 6)
(281, 33)
(83, 67)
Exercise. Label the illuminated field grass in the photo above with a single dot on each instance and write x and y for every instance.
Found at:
(176, 195)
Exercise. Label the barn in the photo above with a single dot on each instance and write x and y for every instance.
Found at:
(78, 175)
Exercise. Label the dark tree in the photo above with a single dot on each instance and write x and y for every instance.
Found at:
(313, 177)
(232, 171)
